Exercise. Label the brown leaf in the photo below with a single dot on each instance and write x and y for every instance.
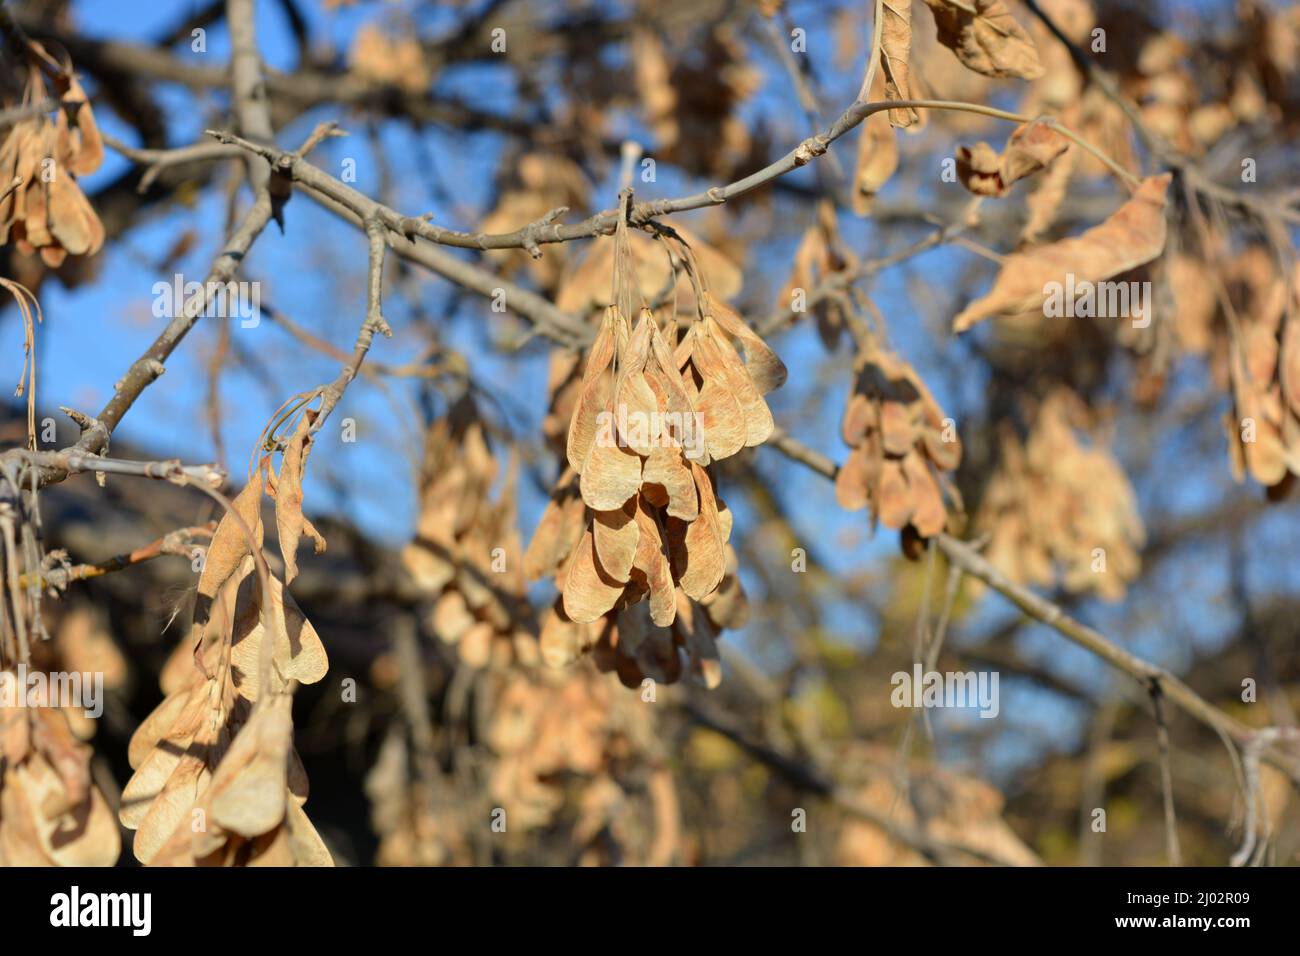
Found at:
(757, 416)
(895, 52)
(895, 497)
(612, 473)
(852, 485)
(877, 156)
(561, 527)
(1030, 148)
(666, 469)
(249, 787)
(927, 503)
(722, 418)
(1133, 235)
(764, 366)
(985, 37)
(297, 652)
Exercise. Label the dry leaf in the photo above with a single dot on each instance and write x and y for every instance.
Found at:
(1132, 236)
(1030, 148)
(895, 52)
(986, 38)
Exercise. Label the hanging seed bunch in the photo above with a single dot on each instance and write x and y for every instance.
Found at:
(420, 818)
(903, 446)
(217, 780)
(81, 645)
(51, 813)
(955, 807)
(568, 747)
(467, 553)
(1057, 507)
(48, 214)
(636, 516)
(629, 643)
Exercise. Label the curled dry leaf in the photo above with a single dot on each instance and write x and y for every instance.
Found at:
(986, 38)
(1032, 147)
(895, 53)
(1132, 236)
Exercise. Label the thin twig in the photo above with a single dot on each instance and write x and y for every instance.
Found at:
(1172, 848)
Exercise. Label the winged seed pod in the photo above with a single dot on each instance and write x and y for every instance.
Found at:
(466, 558)
(217, 780)
(1057, 507)
(48, 214)
(902, 443)
(51, 813)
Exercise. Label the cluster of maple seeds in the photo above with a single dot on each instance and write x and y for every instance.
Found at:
(47, 213)
(217, 780)
(635, 530)
(51, 813)
(1056, 502)
(466, 556)
(902, 445)
(549, 730)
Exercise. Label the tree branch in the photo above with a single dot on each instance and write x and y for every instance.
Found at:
(971, 562)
